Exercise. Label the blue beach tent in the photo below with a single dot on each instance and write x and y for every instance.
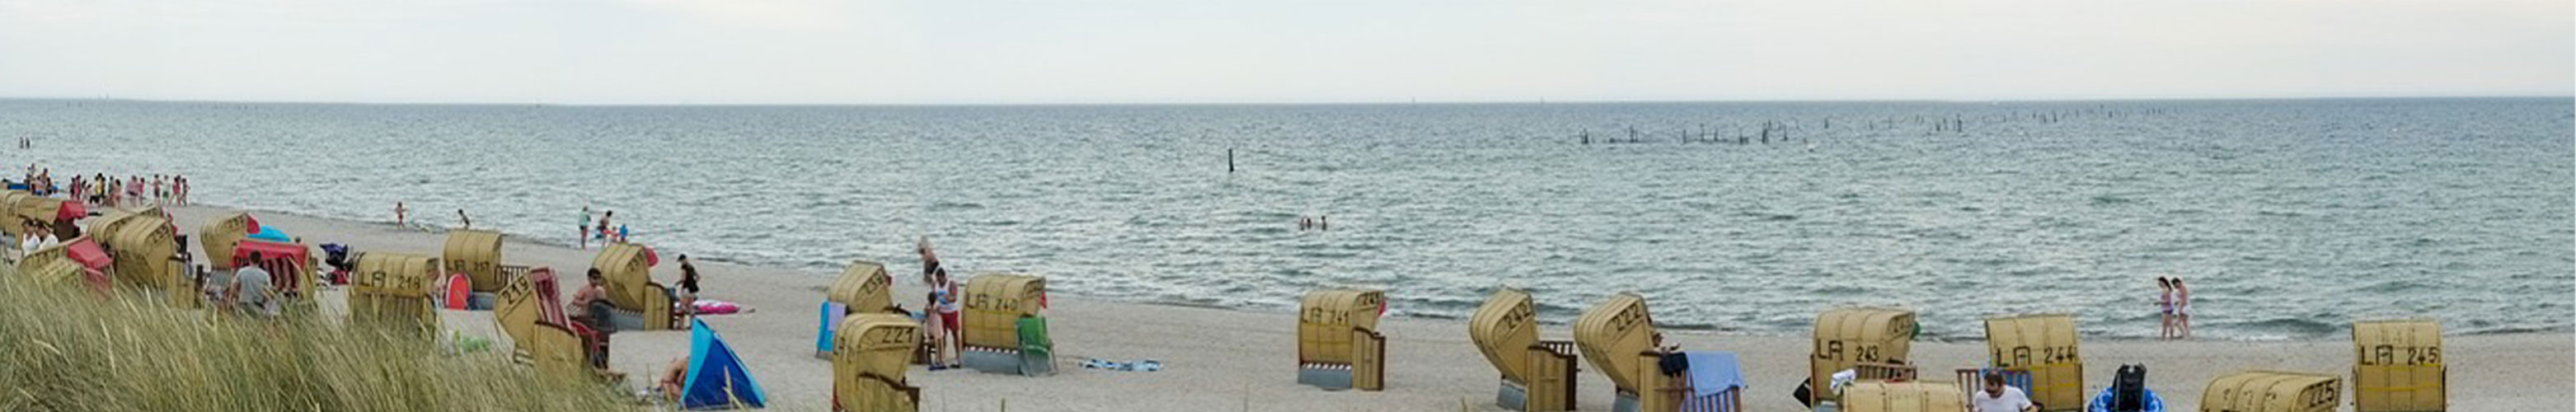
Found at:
(716, 378)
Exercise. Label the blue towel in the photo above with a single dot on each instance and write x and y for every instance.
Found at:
(1712, 372)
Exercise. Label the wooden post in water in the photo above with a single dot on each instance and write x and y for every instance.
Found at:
(1229, 160)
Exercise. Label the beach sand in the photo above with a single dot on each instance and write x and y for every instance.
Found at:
(1224, 360)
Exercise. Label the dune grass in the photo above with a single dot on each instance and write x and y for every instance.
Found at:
(70, 350)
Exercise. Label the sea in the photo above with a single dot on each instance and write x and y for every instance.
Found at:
(2287, 218)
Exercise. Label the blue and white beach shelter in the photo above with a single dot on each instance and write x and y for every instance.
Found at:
(716, 379)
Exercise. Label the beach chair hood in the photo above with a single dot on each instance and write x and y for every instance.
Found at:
(716, 377)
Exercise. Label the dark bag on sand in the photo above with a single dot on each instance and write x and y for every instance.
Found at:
(2128, 388)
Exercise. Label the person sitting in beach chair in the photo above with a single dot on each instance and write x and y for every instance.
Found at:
(589, 306)
(1998, 397)
(1619, 338)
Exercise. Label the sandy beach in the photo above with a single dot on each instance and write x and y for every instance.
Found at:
(1225, 360)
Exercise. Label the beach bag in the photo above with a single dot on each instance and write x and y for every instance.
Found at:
(2128, 388)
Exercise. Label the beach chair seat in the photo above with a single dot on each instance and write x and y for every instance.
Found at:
(1537, 375)
(1338, 346)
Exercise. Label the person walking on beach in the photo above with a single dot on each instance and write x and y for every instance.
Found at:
(2182, 308)
(466, 220)
(688, 287)
(402, 215)
(2165, 306)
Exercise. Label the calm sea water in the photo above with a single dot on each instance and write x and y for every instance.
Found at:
(2289, 217)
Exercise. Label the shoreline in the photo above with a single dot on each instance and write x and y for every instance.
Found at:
(826, 276)
(1226, 359)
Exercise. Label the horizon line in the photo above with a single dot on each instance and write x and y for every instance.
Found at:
(1316, 103)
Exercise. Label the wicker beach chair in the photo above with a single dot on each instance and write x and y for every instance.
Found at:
(1537, 375)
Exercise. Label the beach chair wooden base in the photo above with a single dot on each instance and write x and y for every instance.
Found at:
(1555, 366)
(1004, 361)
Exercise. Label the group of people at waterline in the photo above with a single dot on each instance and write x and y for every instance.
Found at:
(103, 190)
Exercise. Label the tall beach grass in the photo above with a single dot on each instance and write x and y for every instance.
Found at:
(66, 349)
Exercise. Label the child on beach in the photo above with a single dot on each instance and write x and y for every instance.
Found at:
(402, 215)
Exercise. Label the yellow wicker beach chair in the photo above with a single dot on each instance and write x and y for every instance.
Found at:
(640, 303)
(1538, 375)
(477, 254)
(393, 291)
(864, 287)
(1617, 336)
(146, 248)
(219, 237)
(1004, 331)
(871, 352)
(2397, 366)
(1885, 396)
(2043, 347)
(1871, 341)
(1338, 346)
(2271, 391)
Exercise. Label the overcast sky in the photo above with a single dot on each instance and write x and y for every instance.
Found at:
(1181, 51)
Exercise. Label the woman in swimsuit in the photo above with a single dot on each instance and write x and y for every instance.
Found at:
(2164, 307)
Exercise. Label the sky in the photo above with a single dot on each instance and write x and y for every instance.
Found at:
(1214, 51)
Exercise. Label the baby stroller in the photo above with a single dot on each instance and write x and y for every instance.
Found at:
(337, 256)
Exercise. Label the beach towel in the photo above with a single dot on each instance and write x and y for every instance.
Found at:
(1712, 372)
(1148, 365)
(716, 377)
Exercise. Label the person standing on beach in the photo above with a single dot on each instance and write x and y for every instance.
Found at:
(402, 215)
(2165, 307)
(929, 260)
(468, 221)
(951, 335)
(688, 287)
(602, 236)
(2182, 308)
(581, 231)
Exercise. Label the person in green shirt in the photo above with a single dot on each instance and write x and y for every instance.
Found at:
(581, 231)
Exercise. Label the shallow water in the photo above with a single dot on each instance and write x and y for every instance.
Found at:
(2289, 218)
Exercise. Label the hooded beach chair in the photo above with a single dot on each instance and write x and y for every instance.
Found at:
(220, 236)
(290, 269)
(2397, 366)
(1872, 342)
(477, 254)
(873, 350)
(2272, 391)
(1885, 396)
(1338, 346)
(1617, 335)
(2036, 353)
(864, 287)
(79, 262)
(637, 302)
(146, 249)
(393, 291)
(716, 378)
(999, 309)
(529, 313)
(1537, 375)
